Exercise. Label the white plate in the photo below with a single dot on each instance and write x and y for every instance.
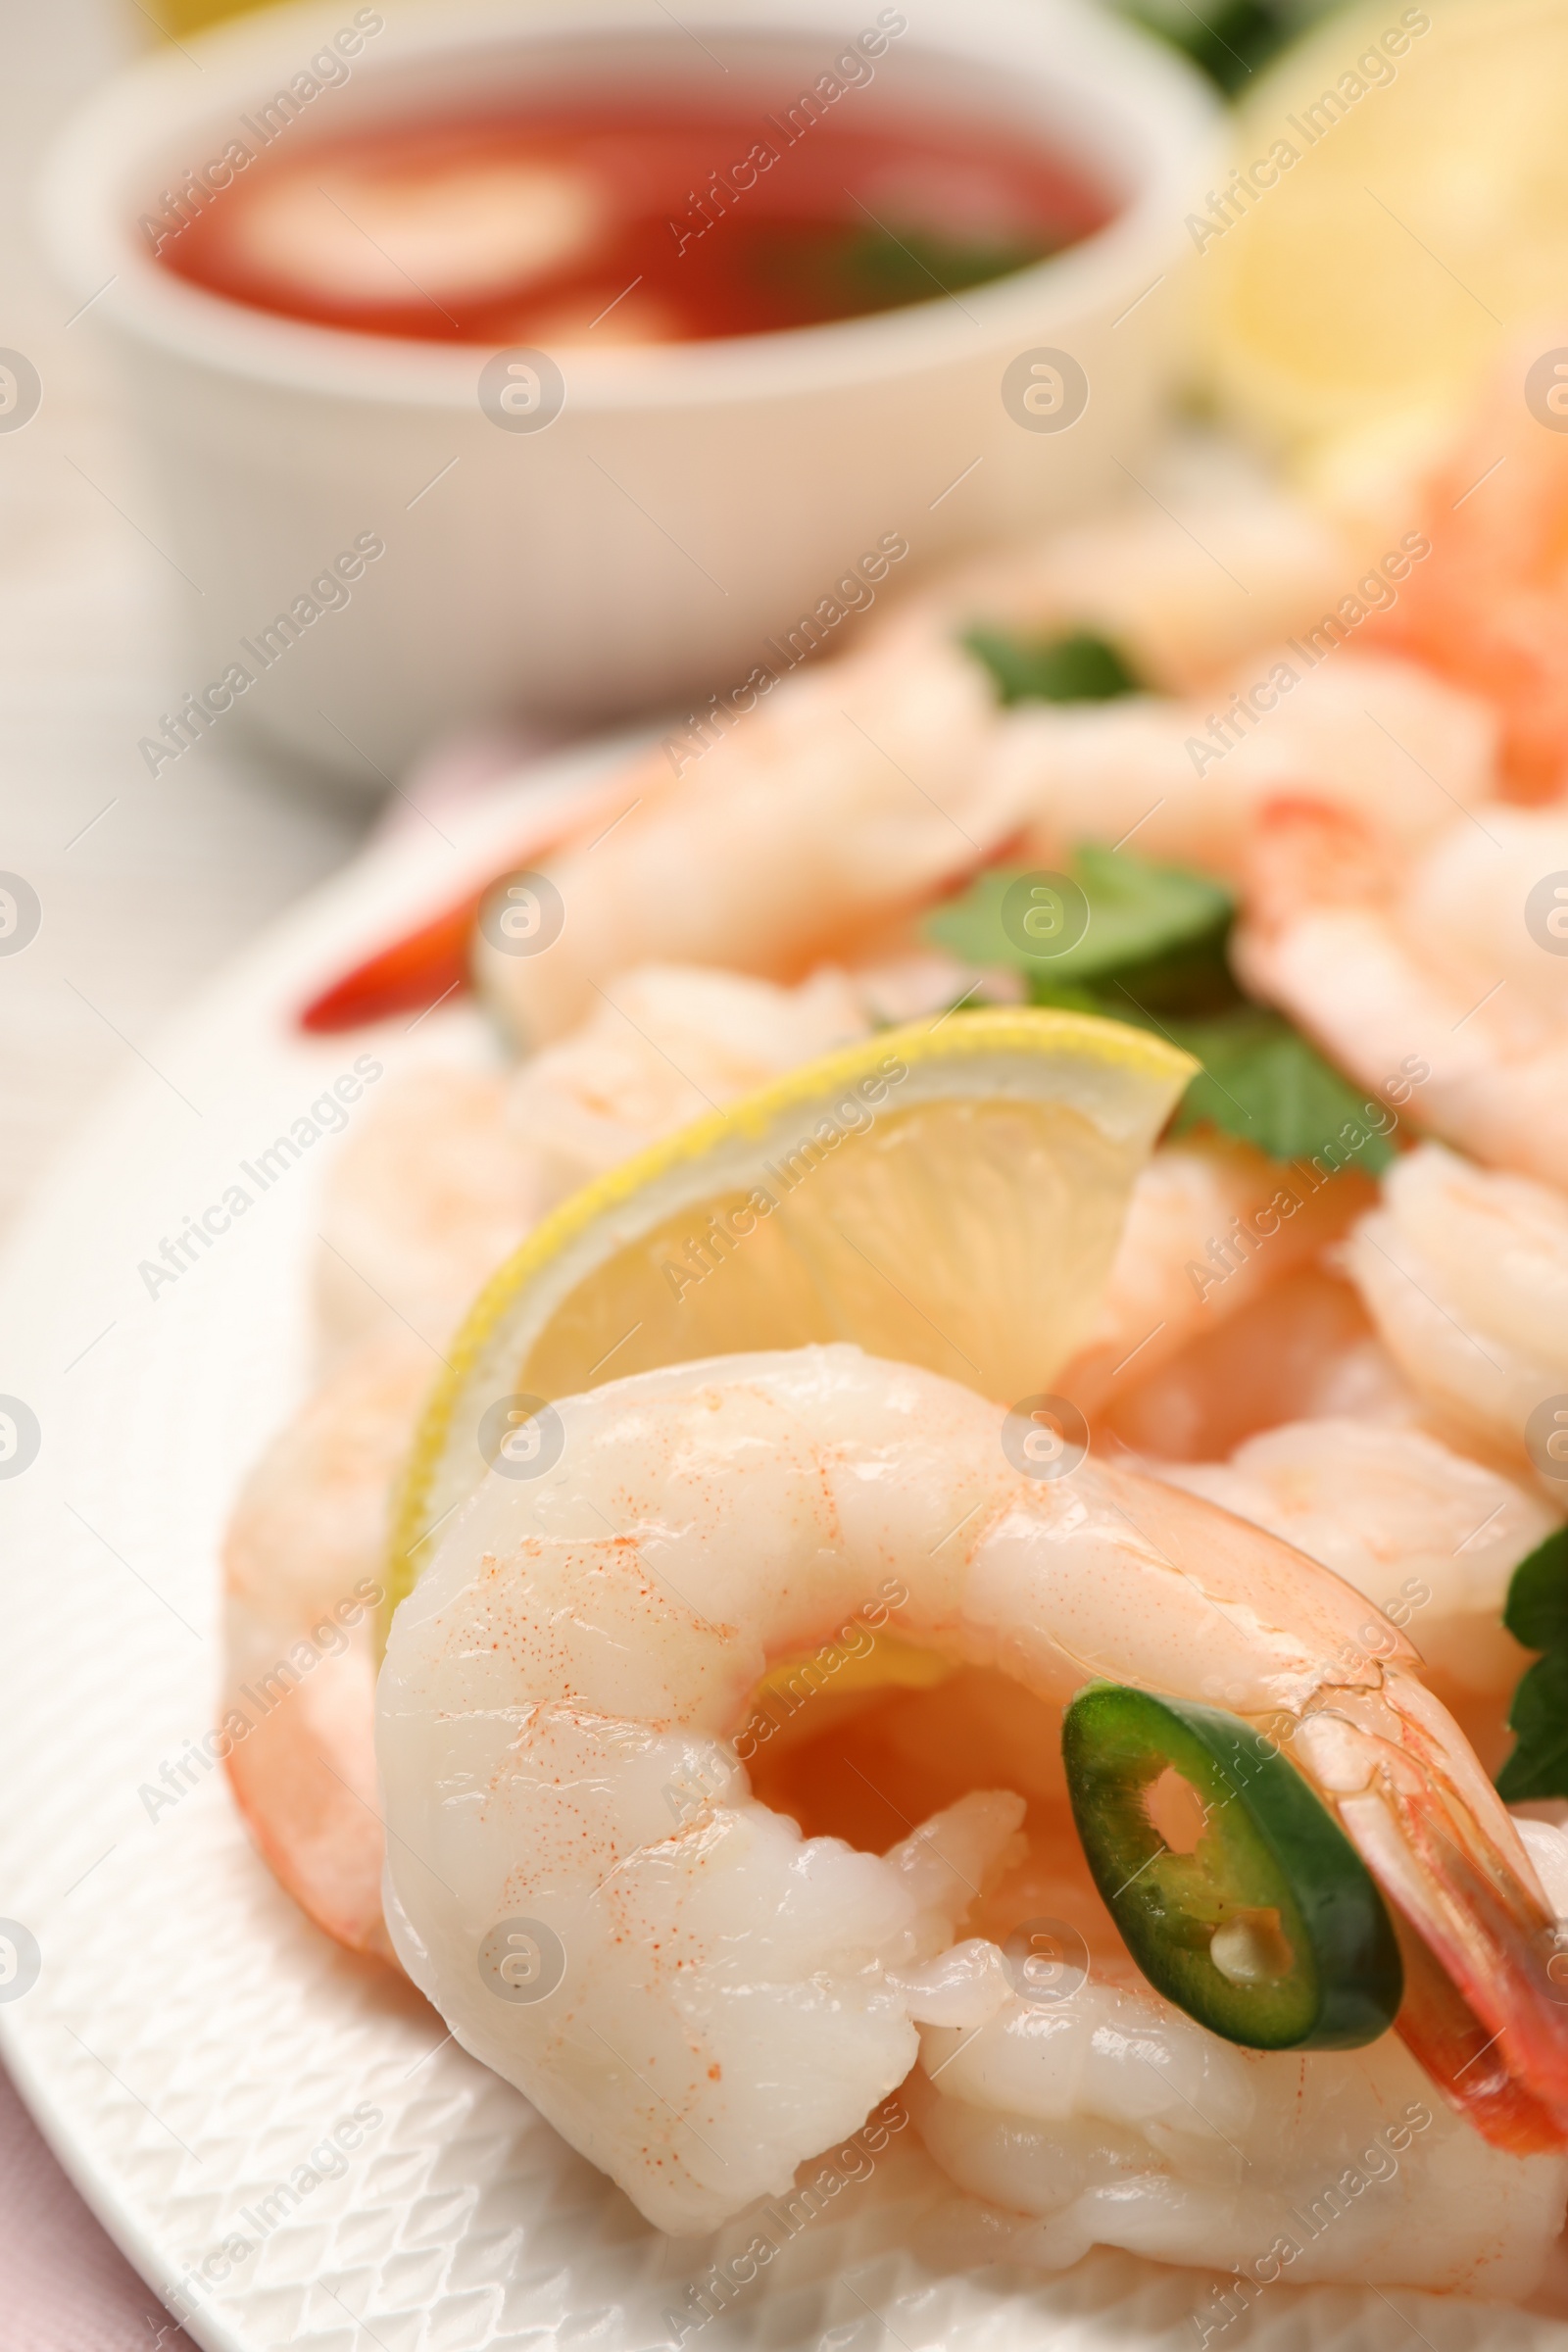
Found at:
(189, 2039)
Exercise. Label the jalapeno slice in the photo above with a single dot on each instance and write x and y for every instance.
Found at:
(1240, 1897)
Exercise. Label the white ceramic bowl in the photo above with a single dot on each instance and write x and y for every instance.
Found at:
(689, 500)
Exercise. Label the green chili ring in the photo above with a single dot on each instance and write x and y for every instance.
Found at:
(1270, 1931)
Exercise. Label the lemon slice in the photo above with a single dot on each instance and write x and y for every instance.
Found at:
(1425, 211)
(948, 1194)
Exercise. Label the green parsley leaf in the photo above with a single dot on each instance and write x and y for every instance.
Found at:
(1536, 1612)
(1262, 1080)
(1144, 918)
(1078, 669)
(1154, 955)
(1538, 1720)
(1062, 997)
(1139, 916)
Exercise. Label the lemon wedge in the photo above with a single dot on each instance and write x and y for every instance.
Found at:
(1402, 203)
(948, 1194)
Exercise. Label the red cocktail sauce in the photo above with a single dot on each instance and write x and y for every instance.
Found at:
(615, 223)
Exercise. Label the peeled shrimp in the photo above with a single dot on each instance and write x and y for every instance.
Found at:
(852, 797)
(303, 1567)
(424, 1199)
(1466, 1273)
(661, 1047)
(1444, 969)
(1220, 1318)
(1183, 579)
(1429, 1536)
(706, 1998)
(1089, 2110)
(1190, 1257)
(1303, 1350)
(310, 1520)
(1111, 2119)
(421, 1207)
(1488, 606)
(439, 1186)
(1375, 738)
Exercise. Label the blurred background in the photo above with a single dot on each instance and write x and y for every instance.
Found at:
(147, 883)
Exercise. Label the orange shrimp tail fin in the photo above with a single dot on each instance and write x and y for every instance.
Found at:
(1464, 2061)
(412, 974)
(432, 962)
(303, 1777)
(1481, 2012)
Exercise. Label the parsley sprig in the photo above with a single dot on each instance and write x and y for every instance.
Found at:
(1154, 954)
(1537, 1615)
(1076, 668)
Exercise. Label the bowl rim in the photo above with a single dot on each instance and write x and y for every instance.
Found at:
(1167, 119)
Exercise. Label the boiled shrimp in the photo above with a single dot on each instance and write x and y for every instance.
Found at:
(1088, 2110)
(844, 802)
(440, 1184)
(1465, 1272)
(661, 1047)
(1189, 1258)
(1429, 1534)
(787, 825)
(841, 800)
(1305, 1348)
(1220, 1317)
(420, 1207)
(701, 1998)
(1111, 2119)
(408, 1205)
(1447, 969)
(1373, 738)
(404, 1207)
(423, 1199)
(1183, 585)
(303, 1567)
(1487, 607)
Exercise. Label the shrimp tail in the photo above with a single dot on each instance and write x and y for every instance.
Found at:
(1464, 2058)
(1481, 2013)
(421, 968)
(433, 960)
